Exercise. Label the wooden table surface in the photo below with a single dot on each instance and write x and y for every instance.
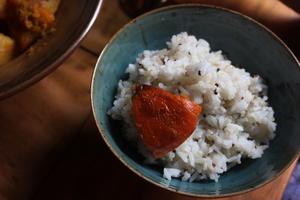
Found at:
(50, 147)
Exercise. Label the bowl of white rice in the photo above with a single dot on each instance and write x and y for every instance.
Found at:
(243, 77)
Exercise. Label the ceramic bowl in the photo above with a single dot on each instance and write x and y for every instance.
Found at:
(73, 20)
(246, 43)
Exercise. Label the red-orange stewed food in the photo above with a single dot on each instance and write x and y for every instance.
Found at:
(163, 120)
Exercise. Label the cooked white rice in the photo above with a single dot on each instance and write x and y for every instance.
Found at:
(236, 121)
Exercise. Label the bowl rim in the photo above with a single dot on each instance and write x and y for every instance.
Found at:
(56, 63)
(101, 130)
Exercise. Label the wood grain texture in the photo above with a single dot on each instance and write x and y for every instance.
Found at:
(51, 149)
(37, 124)
(109, 21)
(91, 171)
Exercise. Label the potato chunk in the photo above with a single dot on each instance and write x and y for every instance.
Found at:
(50, 5)
(7, 46)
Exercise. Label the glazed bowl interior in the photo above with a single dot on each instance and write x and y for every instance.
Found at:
(73, 20)
(248, 45)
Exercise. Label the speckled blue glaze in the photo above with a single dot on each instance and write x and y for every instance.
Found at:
(247, 45)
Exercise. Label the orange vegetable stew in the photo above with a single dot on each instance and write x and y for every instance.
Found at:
(22, 22)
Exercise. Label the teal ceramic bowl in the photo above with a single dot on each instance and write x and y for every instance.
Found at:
(246, 43)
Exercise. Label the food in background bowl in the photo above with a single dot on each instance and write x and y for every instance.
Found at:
(22, 22)
(161, 102)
